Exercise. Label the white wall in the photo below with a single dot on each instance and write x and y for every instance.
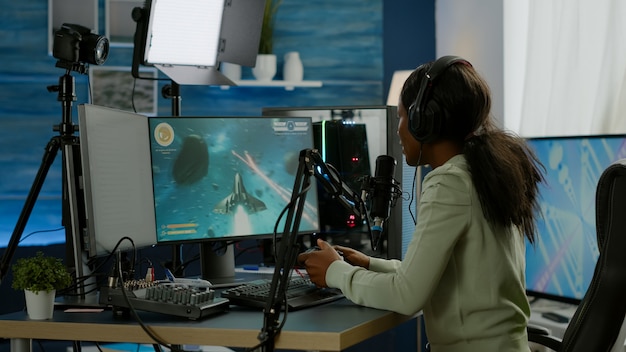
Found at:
(555, 67)
(474, 30)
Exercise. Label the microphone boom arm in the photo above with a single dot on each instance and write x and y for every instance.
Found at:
(310, 164)
(330, 179)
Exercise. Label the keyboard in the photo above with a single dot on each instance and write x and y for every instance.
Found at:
(177, 300)
(301, 293)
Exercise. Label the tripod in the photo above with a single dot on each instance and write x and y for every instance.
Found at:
(73, 217)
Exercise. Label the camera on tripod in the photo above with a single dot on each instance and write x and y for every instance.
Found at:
(75, 45)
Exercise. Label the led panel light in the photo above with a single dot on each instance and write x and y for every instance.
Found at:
(184, 32)
(187, 39)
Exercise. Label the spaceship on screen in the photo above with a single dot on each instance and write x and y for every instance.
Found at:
(239, 196)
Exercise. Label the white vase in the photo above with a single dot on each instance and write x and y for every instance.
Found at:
(232, 71)
(39, 305)
(293, 71)
(265, 68)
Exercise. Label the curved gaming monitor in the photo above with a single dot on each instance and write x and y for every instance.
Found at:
(226, 178)
(561, 264)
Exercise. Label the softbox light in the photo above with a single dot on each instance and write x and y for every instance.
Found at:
(186, 39)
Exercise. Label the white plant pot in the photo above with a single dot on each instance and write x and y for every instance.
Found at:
(39, 305)
(293, 70)
(265, 68)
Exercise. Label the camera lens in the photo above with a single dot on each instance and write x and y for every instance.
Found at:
(101, 51)
(94, 49)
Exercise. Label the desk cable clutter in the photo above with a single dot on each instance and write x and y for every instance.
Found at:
(197, 301)
(190, 298)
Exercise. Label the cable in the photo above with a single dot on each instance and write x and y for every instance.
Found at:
(89, 90)
(81, 280)
(282, 213)
(40, 231)
(412, 197)
(147, 329)
(133, 312)
(245, 249)
(132, 96)
(414, 189)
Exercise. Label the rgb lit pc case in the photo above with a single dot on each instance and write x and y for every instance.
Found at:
(352, 162)
(350, 133)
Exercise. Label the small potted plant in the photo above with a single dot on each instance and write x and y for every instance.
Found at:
(40, 277)
(265, 67)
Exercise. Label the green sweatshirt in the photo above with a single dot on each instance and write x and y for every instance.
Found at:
(466, 275)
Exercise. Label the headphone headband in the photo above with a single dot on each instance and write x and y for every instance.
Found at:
(424, 123)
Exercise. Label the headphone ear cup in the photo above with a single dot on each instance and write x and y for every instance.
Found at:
(426, 117)
(425, 126)
(416, 113)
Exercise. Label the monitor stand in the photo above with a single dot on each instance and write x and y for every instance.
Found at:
(217, 265)
(217, 262)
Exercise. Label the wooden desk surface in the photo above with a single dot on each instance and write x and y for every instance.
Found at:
(330, 327)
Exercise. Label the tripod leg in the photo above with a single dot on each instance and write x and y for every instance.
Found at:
(50, 154)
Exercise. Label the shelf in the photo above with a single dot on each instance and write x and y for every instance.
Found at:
(276, 83)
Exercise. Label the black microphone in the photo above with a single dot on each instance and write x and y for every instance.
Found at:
(381, 195)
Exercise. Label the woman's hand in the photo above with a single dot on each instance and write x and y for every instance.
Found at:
(317, 262)
(353, 257)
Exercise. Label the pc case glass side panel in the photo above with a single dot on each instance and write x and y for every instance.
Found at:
(226, 177)
(374, 118)
(382, 139)
(561, 263)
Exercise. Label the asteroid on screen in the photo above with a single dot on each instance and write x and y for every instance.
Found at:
(192, 162)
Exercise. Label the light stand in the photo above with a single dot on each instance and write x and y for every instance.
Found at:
(73, 215)
(172, 91)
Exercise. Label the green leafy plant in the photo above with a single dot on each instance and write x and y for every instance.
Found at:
(266, 44)
(40, 273)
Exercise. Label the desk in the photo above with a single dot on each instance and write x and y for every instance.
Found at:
(330, 327)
